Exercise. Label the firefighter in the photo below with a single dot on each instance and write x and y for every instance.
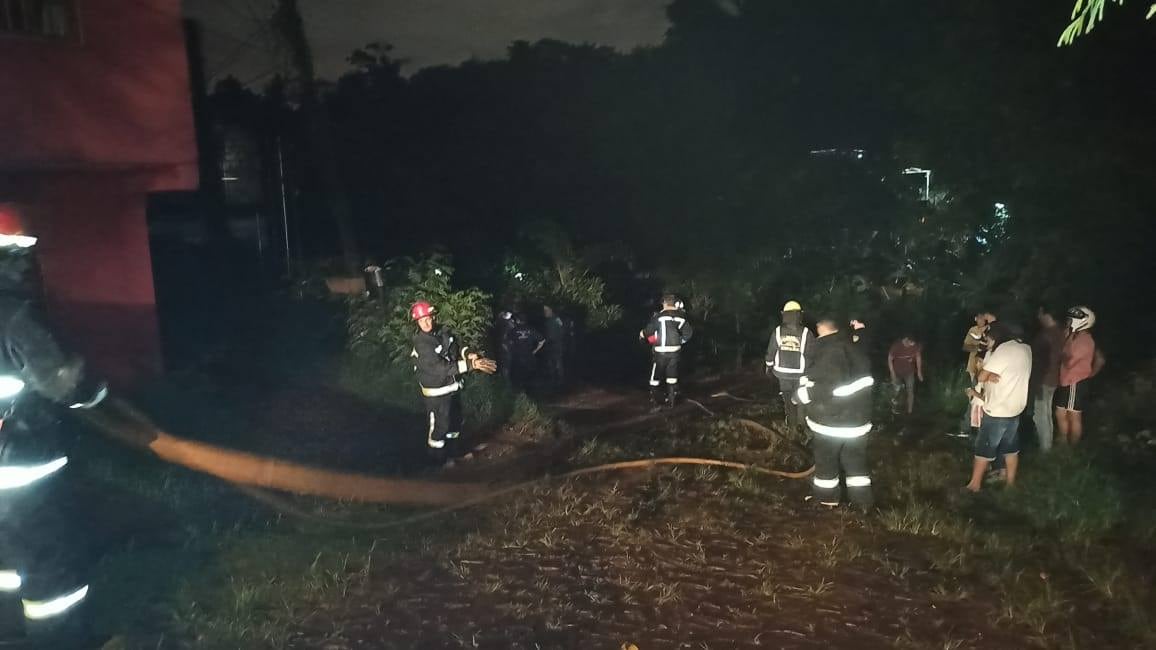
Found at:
(837, 391)
(42, 586)
(440, 361)
(666, 333)
(787, 354)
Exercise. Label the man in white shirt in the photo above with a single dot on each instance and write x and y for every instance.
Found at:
(1004, 377)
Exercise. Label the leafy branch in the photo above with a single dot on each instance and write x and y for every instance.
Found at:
(1085, 15)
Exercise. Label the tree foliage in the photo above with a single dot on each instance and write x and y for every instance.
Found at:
(384, 330)
(696, 156)
(550, 269)
(1085, 15)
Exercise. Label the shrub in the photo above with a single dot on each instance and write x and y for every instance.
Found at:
(488, 401)
(382, 329)
(559, 274)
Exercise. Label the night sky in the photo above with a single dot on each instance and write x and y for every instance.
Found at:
(426, 32)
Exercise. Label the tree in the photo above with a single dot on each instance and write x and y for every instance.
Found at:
(289, 25)
(1085, 15)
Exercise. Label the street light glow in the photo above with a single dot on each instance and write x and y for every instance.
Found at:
(926, 180)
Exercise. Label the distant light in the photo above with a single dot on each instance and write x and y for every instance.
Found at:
(859, 155)
(519, 276)
(229, 179)
(1000, 206)
(438, 272)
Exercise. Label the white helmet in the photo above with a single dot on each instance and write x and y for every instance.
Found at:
(1081, 318)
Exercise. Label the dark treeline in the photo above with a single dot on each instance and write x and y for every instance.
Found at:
(698, 156)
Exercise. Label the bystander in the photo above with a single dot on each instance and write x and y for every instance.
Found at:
(1005, 376)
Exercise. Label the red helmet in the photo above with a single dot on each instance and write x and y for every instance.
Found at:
(420, 310)
(12, 228)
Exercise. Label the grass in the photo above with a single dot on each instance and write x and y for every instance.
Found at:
(1052, 558)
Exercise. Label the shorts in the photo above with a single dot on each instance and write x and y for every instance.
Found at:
(904, 381)
(1072, 398)
(997, 437)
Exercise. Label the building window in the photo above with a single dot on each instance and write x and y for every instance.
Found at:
(55, 19)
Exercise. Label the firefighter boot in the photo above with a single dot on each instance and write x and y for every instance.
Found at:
(671, 395)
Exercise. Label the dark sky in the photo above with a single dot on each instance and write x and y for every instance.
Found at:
(427, 32)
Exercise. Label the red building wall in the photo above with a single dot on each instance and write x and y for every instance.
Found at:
(88, 128)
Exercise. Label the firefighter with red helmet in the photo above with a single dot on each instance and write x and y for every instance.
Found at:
(440, 361)
(42, 588)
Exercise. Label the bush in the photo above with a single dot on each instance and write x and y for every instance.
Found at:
(558, 273)
(1124, 416)
(381, 340)
(383, 329)
(488, 402)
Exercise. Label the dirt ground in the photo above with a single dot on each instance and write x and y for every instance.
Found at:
(661, 558)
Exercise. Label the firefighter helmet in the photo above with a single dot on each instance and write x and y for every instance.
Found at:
(1081, 318)
(12, 232)
(420, 310)
(792, 305)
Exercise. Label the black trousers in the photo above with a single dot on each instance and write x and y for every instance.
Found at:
(556, 367)
(445, 423)
(42, 543)
(794, 412)
(846, 456)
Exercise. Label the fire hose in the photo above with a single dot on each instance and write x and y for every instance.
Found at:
(255, 474)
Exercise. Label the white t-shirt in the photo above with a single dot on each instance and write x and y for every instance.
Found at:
(1012, 361)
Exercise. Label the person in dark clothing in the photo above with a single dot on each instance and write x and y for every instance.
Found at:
(557, 340)
(42, 554)
(787, 355)
(525, 344)
(837, 391)
(666, 333)
(1046, 350)
(440, 361)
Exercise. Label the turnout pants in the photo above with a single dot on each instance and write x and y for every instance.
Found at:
(444, 414)
(846, 456)
(787, 388)
(664, 372)
(43, 562)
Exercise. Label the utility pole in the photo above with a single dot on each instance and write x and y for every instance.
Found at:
(284, 210)
(290, 28)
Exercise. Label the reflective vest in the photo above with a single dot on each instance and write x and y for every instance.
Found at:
(789, 359)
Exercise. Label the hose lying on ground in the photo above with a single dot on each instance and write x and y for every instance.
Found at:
(254, 474)
(244, 468)
(285, 506)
